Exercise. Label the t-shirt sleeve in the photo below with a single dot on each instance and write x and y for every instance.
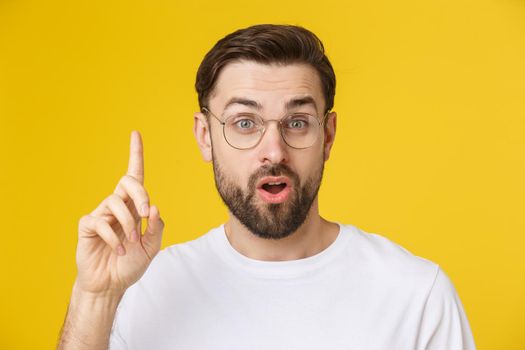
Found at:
(444, 324)
(116, 339)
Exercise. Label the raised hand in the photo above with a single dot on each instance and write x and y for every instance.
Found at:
(112, 254)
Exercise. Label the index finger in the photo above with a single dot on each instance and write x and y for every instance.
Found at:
(136, 157)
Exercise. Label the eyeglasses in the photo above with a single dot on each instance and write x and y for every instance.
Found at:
(245, 130)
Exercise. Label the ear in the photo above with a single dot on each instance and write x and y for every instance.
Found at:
(329, 133)
(201, 131)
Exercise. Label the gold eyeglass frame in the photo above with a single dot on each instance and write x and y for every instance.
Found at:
(321, 122)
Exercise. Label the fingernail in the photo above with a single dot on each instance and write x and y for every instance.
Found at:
(134, 236)
(120, 250)
(145, 209)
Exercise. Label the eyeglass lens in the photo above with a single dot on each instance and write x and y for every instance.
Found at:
(298, 130)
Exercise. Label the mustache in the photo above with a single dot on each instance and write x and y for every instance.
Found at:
(272, 170)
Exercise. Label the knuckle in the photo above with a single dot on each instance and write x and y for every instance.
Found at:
(124, 178)
(119, 188)
(122, 185)
(113, 198)
(134, 189)
(130, 182)
(105, 201)
(99, 224)
(84, 220)
(127, 179)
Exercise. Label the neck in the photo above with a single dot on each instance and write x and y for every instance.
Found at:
(312, 237)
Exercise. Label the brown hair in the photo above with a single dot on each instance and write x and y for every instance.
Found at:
(266, 43)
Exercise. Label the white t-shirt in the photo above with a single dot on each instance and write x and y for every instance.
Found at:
(362, 292)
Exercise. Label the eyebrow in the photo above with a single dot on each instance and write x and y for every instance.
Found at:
(244, 102)
(301, 101)
(293, 103)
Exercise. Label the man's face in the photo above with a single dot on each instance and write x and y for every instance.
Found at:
(271, 187)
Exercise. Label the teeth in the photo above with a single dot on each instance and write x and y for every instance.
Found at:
(274, 183)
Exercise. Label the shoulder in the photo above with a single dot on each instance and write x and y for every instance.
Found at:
(420, 287)
(382, 250)
(377, 255)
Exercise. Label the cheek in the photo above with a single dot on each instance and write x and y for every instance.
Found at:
(309, 165)
(232, 165)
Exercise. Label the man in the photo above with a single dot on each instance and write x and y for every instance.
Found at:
(276, 275)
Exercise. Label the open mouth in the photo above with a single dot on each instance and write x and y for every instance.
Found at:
(274, 187)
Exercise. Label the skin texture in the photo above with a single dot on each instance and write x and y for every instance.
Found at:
(112, 254)
(274, 220)
(271, 87)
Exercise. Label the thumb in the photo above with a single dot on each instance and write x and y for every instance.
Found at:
(152, 238)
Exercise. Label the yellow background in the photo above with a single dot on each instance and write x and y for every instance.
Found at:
(429, 150)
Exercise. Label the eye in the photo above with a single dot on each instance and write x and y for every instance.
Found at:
(245, 123)
(242, 124)
(298, 122)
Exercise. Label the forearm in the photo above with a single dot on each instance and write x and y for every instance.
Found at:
(88, 321)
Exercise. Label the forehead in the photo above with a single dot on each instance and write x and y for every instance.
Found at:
(270, 85)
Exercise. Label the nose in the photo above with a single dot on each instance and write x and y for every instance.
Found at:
(272, 148)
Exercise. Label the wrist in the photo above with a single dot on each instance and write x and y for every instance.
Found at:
(102, 297)
(89, 319)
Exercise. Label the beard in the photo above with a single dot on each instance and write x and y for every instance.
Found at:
(269, 220)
